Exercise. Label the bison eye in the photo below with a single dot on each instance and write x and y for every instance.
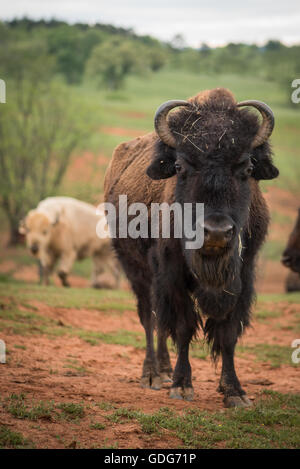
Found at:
(248, 171)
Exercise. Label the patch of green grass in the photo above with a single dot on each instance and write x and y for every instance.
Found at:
(277, 297)
(264, 314)
(13, 440)
(107, 445)
(273, 422)
(71, 411)
(88, 298)
(73, 365)
(280, 218)
(272, 250)
(97, 426)
(105, 405)
(276, 355)
(5, 278)
(199, 350)
(18, 408)
(83, 268)
(14, 314)
(28, 323)
(121, 337)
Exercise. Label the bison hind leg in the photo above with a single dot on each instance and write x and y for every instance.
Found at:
(150, 375)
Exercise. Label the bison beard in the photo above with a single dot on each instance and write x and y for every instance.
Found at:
(208, 151)
(215, 272)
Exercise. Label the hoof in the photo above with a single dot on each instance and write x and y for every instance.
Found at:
(188, 394)
(182, 393)
(237, 401)
(156, 383)
(246, 400)
(151, 383)
(165, 377)
(176, 393)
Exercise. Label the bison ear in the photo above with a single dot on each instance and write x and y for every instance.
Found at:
(163, 163)
(265, 171)
(161, 169)
(263, 164)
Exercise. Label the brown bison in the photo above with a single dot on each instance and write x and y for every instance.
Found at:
(208, 151)
(291, 258)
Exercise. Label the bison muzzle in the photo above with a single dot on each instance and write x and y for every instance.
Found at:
(291, 257)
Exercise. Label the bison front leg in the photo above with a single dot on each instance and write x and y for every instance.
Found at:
(41, 272)
(45, 271)
(176, 316)
(65, 265)
(46, 264)
(226, 334)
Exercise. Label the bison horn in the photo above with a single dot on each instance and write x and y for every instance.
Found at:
(267, 124)
(161, 121)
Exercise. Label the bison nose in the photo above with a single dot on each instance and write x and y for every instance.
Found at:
(34, 248)
(217, 235)
(286, 260)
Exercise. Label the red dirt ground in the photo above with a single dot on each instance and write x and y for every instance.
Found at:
(112, 372)
(121, 131)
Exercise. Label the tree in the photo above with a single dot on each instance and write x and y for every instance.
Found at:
(112, 61)
(178, 42)
(39, 129)
(71, 46)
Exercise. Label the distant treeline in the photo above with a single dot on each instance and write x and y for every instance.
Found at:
(108, 53)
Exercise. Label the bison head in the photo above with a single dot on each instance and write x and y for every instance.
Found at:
(216, 149)
(37, 227)
(291, 255)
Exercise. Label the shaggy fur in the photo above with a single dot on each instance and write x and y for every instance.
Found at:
(188, 289)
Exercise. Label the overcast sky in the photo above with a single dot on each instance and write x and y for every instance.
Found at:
(215, 22)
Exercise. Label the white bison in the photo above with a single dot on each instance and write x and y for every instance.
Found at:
(62, 230)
